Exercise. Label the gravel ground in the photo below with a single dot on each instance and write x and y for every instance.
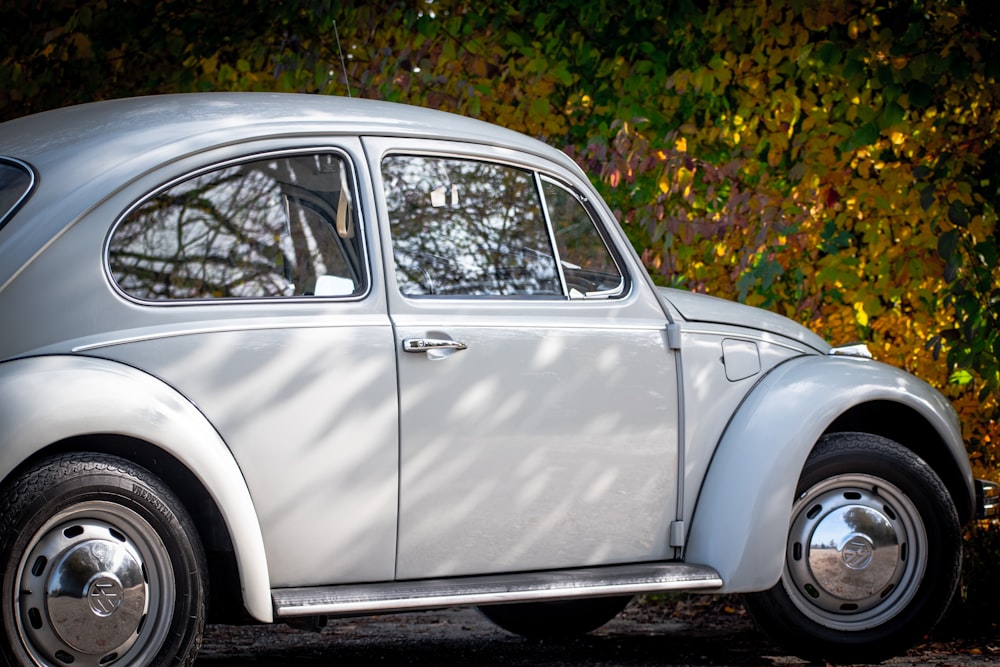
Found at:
(644, 635)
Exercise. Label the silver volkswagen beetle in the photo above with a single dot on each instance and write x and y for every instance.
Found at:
(321, 357)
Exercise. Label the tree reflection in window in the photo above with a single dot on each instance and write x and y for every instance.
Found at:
(587, 265)
(462, 227)
(275, 227)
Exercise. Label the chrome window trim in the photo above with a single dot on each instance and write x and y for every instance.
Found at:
(5, 216)
(550, 230)
(296, 299)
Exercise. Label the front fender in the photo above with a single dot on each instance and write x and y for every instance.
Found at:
(47, 399)
(744, 506)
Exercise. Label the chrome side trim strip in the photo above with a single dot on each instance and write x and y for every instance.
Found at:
(524, 587)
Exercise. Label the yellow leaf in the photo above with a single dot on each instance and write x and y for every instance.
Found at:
(209, 65)
(860, 316)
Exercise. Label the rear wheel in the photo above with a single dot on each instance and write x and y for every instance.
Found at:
(558, 619)
(101, 565)
(873, 554)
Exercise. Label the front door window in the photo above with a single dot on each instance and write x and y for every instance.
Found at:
(468, 228)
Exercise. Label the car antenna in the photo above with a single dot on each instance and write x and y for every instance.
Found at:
(343, 64)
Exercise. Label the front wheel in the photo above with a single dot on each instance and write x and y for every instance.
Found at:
(101, 565)
(873, 554)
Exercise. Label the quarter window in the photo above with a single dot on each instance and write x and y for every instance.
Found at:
(268, 228)
(588, 267)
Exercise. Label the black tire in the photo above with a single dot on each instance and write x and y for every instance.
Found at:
(555, 620)
(873, 555)
(101, 565)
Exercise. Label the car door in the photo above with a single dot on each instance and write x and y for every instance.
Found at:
(249, 288)
(537, 394)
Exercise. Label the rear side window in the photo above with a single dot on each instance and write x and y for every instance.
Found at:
(276, 227)
(16, 181)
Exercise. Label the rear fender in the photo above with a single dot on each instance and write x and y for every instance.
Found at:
(44, 400)
(741, 519)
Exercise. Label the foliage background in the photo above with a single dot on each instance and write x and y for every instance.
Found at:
(836, 161)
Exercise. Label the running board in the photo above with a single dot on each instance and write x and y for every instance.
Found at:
(397, 596)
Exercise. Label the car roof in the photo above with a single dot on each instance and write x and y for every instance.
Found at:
(82, 154)
(137, 129)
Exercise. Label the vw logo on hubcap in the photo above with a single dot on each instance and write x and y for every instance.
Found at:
(857, 553)
(105, 595)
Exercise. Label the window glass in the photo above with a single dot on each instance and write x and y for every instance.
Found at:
(463, 227)
(275, 227)
(15, 183)
(588, 266)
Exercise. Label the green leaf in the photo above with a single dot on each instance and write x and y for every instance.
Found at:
(920, 94)
(539, 107)
(830, 54)
(893, 114)
(855, 63)
(865, 135)
(960, 377)
(958, 214)
(885, 75)
(927, 196)
(947, 243)
(868, 115)
(913, 32)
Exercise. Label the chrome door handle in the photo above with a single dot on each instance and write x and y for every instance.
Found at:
(428, 344)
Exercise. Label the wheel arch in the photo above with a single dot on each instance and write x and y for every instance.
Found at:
(226, 604)
(909, 427)
(59, 404)
(744, 504)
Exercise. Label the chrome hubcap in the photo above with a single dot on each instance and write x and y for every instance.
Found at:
(89, 585)
(856, 552)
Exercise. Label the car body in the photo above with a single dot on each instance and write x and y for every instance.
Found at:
(337, 356)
